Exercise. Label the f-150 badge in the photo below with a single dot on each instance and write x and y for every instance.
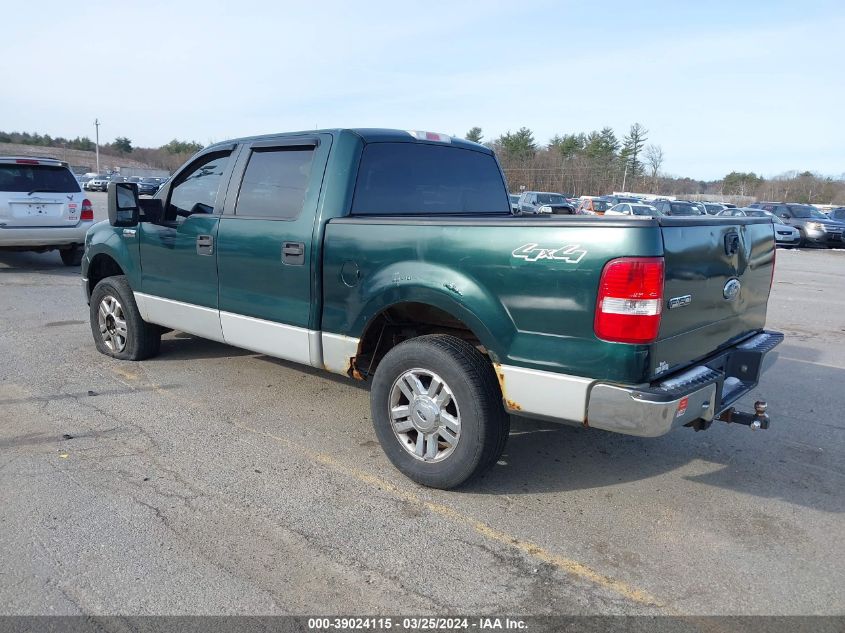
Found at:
(571, 253)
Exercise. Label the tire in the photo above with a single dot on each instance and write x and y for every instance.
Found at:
(802, 240)
(139, 340)
(420, 438)
(72, 256)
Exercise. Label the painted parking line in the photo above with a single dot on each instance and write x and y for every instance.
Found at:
(810, 362)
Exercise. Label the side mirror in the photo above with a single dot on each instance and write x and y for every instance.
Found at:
(124, 204)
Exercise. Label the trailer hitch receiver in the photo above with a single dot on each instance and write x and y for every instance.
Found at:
(755, 421)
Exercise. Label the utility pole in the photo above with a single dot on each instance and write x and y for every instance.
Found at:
(97, 142)
(625, 176)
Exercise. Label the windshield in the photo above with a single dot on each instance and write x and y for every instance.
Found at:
(33, 178)
(420, 179)
(551, 198)
(684, 208)
(600, 205)
(644, 209)
(806, 211)
(514, 198)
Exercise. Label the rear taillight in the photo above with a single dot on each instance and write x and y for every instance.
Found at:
(87, 212)
(630, 300)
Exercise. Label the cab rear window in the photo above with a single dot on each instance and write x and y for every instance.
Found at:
(421, 179)
(37, 178)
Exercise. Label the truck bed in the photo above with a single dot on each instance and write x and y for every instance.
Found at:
(533, 310)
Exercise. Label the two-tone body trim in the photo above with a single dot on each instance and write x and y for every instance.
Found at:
(279, 340)
(545, 394)
(187, 317)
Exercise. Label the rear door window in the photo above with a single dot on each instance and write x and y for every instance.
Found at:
(275, 183)
(35, 178)
(421, 179)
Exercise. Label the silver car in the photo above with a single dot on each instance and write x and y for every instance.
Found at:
(785, 235)
(42, 208)
(635, 209)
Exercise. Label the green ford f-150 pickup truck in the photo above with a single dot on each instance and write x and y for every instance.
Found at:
(393, 257)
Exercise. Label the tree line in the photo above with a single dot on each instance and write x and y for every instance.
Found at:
(590, 163)
(168, 156)
(598, 162)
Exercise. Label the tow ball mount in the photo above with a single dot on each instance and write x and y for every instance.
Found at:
(757, 420)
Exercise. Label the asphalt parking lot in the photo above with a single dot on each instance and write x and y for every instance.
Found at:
(211, 480)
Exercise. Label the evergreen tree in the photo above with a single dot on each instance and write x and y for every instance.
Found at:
(474, 135)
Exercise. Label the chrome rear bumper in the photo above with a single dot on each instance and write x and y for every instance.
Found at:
(700, 393)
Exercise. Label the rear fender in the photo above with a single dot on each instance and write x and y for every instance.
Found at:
(440, 287)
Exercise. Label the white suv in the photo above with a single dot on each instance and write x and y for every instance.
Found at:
(42, 208)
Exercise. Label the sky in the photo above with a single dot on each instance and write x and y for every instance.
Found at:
(744, 85)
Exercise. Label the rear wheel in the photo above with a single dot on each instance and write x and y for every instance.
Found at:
(437, 410)
(117, 326)
(72, 256)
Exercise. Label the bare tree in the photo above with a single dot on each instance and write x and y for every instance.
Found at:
(654, 159)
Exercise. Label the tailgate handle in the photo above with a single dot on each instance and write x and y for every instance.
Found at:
(731, 243)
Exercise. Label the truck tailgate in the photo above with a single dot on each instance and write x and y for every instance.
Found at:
(717, 282)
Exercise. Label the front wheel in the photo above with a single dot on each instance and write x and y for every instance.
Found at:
(117, 326)
(437, 410)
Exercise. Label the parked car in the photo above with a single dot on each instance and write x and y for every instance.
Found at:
(149, 186)
(469, 315)
(815, 227)
(785, 235)
(514, 198)
(837, 214)
(678, 207)
(713, 208)
(535, 202)
(90, 182)
(634, 209)
(614, 200)
(42, 208)
(590, 205)
(98, 183)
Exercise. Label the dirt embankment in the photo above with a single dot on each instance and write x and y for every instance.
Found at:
(74, 157)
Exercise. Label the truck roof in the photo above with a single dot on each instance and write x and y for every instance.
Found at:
(374, 135)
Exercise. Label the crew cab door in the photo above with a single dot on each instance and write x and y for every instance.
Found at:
(265, 253)
(179, 251)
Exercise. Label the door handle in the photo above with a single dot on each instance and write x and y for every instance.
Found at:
(205, 245)
(293, 253)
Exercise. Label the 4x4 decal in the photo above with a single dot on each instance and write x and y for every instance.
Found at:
(571, 253)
